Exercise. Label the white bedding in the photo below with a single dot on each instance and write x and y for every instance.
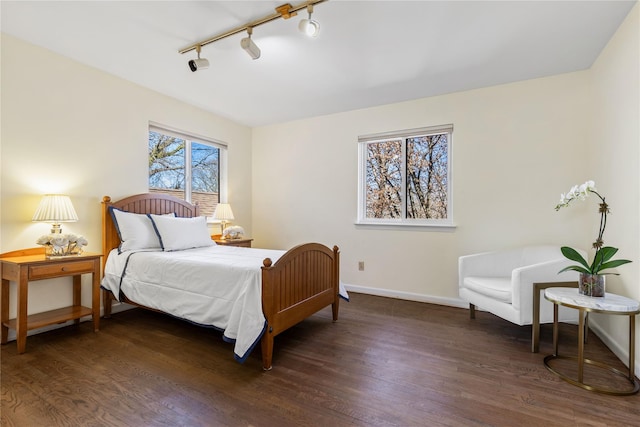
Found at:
(219, 286)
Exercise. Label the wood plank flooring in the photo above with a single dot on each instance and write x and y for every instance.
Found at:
(385, 362)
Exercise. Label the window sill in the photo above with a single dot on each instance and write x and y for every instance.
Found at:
(406, 226)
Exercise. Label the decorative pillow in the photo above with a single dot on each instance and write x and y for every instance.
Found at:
(182, 233)
(135, 230)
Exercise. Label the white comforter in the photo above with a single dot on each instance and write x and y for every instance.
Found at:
(218, 286)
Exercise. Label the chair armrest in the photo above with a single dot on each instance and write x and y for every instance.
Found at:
(523, 279)
(488, 264)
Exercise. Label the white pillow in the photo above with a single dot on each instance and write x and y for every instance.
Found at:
(135, 230)
(182, 233)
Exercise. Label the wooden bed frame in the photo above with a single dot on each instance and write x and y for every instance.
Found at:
(303, 281)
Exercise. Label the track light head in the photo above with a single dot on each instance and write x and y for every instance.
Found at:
(249, 46)
(308, 26)
(198, 64)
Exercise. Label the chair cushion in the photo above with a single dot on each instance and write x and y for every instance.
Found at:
(498, 288)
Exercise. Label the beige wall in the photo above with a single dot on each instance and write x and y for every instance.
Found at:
(73, 129)
(516, 147)
(615, 166)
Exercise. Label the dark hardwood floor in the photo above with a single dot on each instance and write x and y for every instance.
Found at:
(386, 362)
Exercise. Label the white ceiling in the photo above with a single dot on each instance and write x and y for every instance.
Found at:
(368, 53)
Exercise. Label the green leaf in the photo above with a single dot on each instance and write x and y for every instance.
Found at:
(573, 255)
(575, 268)
(614, 264)
(606, 253)
(602, 255)
(602, 258)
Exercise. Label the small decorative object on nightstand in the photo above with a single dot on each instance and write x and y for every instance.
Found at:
(62, 245)
(233, 232)
(244, 243)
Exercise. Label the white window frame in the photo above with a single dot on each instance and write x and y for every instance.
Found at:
(192, 137)
(362, 171)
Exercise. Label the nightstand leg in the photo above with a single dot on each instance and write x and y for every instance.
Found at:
(4, 310)
(95, 295)
(77, 294)
(21, 319)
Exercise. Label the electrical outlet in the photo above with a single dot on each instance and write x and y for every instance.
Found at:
(361, 265)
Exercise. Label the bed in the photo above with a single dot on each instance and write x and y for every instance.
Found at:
(291, 285)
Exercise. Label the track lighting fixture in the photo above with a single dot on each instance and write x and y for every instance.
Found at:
(285, 11)
(200, 63)
(308, 26)
(248, 45)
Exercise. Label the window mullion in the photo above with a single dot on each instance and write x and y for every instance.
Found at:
(187, 171)
(403, 190)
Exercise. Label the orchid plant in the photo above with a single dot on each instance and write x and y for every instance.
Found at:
(602, 259)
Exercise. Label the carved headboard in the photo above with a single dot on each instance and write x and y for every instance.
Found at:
(154, 203)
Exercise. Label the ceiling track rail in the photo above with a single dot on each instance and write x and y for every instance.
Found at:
(285, 11)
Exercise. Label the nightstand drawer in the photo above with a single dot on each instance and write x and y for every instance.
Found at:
(245, 243)
(61, 269)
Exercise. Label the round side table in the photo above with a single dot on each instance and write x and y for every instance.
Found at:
(609, 304)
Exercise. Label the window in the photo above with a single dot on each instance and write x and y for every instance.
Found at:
(405, 177)
(186, 166)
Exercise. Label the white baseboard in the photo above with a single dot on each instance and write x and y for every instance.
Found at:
(409, 296)
(614, 346)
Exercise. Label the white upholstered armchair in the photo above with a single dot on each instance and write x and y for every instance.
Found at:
(501, 282)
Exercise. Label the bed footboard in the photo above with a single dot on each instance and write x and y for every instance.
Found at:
(303, 281)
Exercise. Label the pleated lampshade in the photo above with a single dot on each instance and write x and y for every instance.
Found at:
(55, 208)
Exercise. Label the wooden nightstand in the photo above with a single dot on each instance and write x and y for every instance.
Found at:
(31, 264)
(244, 243)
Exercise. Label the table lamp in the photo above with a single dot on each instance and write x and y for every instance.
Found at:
(55, 208)
(223, 213)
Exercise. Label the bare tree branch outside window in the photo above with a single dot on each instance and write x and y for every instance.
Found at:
(172, 160)
(384, 179)
(166, 162)
(421, 163)
(427, 177)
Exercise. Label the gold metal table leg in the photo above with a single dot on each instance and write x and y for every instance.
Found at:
(632, 348)
(581, 360)
(555, 329)
(580, 345)
(535, 324)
